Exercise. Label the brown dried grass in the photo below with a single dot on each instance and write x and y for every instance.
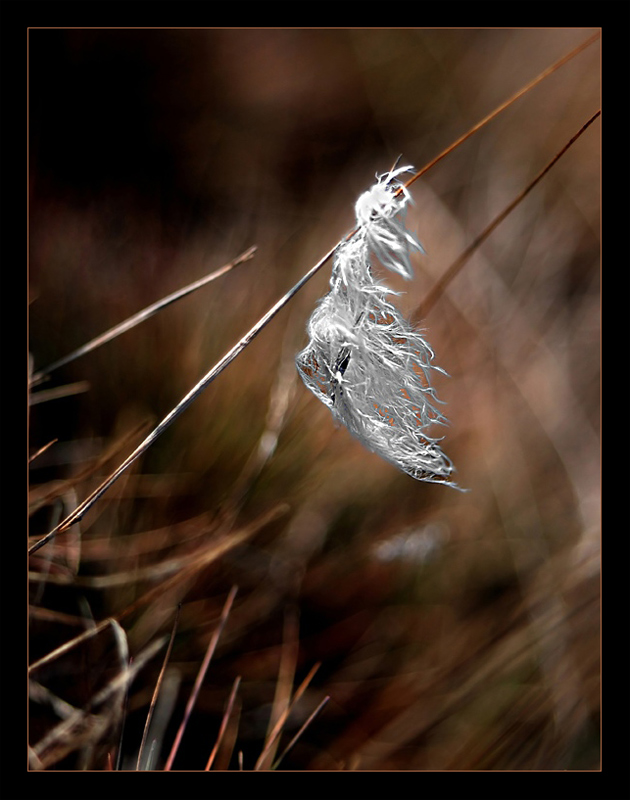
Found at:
(453, 632)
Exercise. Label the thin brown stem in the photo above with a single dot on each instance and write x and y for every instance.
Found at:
(141, 316)
(277, 729)
(198, 563)
(200, 676)
(45, 395)
(41, 450)
(499, 109)
(157, 688)
(227, 359)
(238, 348)
(55, 744)
(303, 727)
(439, 288)
(224, 723)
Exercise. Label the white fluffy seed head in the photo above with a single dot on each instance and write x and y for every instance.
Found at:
(364, 361)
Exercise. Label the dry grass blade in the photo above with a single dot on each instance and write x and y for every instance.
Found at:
(303, 727)
(64, 648)
(277, 729)
(41, 497)
(439, 288)
(61, 391)
(277, 411)
(85, 726)
(41, 451)
(200, 676)
(200, 561)
(284, 685)
(83, 507)
(224, 723)
(521, 92)
(138, 318)
(157, 689)
(455, 632)
(163, 569)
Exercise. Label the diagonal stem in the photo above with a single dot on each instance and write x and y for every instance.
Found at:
(200, 676)
(183, 404)
(439, 288)
(141, 316)
(544, 74)
(303, 727)
(83, 507)
(157, 689)
(224, 723)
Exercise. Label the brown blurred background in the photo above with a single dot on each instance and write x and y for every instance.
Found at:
(454, 631)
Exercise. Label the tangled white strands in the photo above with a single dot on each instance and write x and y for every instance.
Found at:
(364, 360)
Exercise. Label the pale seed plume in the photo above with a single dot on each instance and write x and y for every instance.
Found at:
(364, 360)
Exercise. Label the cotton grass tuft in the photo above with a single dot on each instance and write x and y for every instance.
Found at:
(364, 360)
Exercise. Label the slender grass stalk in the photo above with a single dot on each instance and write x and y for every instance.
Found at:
(277, 729)
(60, 738)
(44, 395)
(439, 287)
(224, 723)
(284, 684)
(538, 79)
(157, 688)
(83, 507)
(140, 317)
(197, 563)
(227, 359)
(303, 727)
(100, 461)
(41, 450)
(200, 676)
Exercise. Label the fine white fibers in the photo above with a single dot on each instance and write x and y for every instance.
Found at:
(364, 360)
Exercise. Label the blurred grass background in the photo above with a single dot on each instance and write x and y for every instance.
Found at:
(454, 631)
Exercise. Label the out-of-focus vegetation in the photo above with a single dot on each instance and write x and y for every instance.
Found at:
(452, 631)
